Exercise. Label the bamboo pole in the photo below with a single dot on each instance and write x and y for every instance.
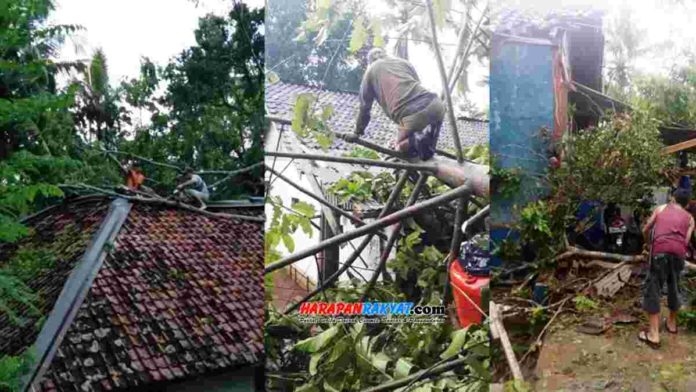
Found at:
(452, 80)
(376, 225)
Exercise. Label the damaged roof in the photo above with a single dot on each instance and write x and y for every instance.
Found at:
(179, 294)
(280, 99)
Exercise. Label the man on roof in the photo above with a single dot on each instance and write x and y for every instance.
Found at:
(194, 187)
(394, 84)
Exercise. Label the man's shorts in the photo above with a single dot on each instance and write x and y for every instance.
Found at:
(197, 194)
(664, 269)
(423, 129)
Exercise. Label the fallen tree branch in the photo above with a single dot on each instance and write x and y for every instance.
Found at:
(371, 227)
(233, 173)
(161, 201)
(539, 338)
(392, 238)
(577, 252)
(428, 373)
(329, 281)
(321, 200)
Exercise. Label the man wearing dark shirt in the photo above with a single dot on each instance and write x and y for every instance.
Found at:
(394, 84)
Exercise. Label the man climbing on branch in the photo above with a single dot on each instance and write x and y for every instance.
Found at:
(194, 188)
(394, 83)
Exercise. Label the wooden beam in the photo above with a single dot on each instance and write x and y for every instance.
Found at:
(679, 146)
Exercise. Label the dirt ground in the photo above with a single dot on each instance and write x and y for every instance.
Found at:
(615, 360)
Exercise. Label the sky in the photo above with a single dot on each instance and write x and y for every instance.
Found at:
(668, 25)
(161, 29)
(128, 29)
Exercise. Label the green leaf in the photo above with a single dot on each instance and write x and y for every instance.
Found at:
(316, 343)
(10, 230)
(327, 112)
(289, 242)
(376, 25)
(308, 388)
(458, 339)
(403, 368)
(380, 361)
(314, 362)
(304, 208)
(359, 35)
(324, 141)
(303, 102)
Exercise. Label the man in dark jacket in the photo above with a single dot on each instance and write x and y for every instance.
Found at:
(394, 84)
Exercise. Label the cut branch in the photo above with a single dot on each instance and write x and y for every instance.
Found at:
(374, 226)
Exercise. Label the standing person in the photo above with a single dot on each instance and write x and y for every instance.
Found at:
(672, 227)
(394, 83)
(194, 187)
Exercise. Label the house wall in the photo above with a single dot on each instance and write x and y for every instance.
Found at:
(521, 104)
(307, 268)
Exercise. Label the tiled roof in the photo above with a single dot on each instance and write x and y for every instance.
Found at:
(65, 231)
(180, 294)
(280, 98)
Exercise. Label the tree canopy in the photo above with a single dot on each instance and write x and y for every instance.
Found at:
(205, 110)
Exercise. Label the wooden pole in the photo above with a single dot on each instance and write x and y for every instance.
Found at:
(501, 333)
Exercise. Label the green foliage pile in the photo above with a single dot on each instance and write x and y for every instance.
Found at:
(352, 357)
(619, 161)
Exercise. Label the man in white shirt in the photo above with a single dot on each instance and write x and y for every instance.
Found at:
(194, 187)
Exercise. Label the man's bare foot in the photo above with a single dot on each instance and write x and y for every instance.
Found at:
(671, 323)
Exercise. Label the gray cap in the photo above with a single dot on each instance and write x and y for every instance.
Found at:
(375, 54)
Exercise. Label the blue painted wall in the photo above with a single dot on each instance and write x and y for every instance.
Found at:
(521, 103)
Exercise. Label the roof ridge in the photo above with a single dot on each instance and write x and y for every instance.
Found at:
(75, 289)
(315, 87)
